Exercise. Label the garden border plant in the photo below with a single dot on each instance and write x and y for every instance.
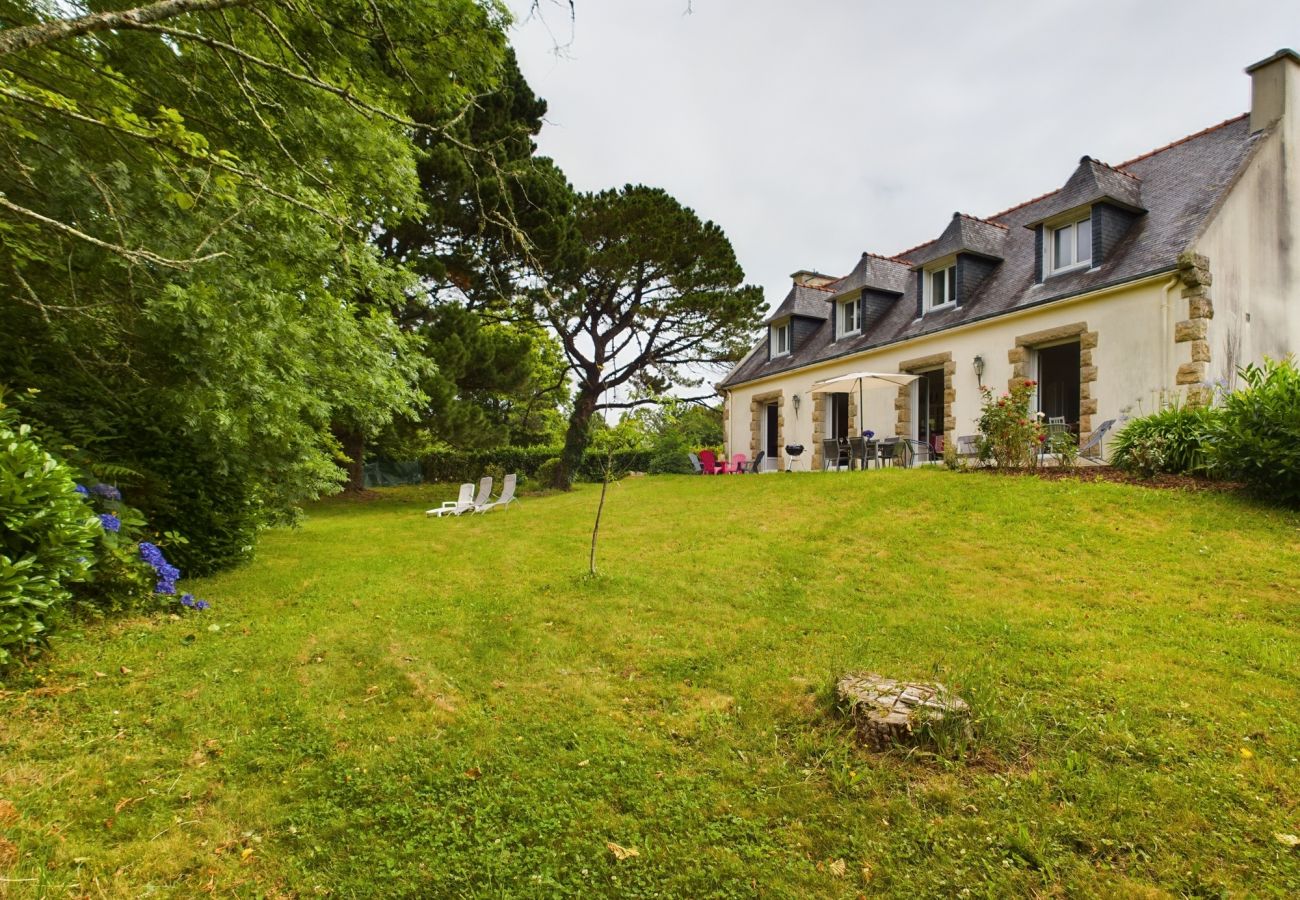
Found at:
(1256, 433)
(1010, 435)
(67, 549)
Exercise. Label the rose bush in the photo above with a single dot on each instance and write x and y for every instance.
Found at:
(1010, 435)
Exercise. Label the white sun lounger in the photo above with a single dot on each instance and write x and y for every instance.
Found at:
(455, 507)
(507, 496)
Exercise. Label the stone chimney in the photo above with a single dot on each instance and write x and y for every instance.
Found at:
(811, 278)
(1274, 89)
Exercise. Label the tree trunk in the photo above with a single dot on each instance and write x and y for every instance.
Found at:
(595, 529)
(354, 448)
(577, 437)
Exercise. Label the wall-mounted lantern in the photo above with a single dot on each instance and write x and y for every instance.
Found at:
(978, 362)
(794, 401)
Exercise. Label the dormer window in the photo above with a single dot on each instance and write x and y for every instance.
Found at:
(1070, 246)
(781, 339)
(849, 318)
(940, 287)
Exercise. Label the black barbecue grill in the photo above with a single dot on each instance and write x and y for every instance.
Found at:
(793, 451)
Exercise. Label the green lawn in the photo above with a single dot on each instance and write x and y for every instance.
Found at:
(384, 704)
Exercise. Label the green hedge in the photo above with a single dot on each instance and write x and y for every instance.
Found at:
(469, 465)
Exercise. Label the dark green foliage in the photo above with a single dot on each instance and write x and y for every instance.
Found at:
(546, 471)
(213, 502)
(674, 427)
(492, 384)
(46, 535)
(227, 307)
(674, 462)
(470, 465)
(1257, 437)
(474, 232)
(1176, 440)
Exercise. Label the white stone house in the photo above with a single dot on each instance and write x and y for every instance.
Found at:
(1129, 284)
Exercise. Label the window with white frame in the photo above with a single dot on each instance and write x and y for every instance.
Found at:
(941, 287)
(1070, 245)
(781, 339)
(850, 318)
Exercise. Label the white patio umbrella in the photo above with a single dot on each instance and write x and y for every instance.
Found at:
(864, 379)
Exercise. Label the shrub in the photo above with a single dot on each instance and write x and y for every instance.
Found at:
(951, 460)
(47, 534)
(470, 465)
(546, 471)
(216, 504)
(1009, 434)
(1176, 439)
(1257, 433)
(673, 463)
(1143, 454)
(119, 580)
(1065, 447)
(462, 465)
(593, 463)
(496, 472)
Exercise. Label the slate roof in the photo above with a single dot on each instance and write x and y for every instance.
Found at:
(1094, 180)
(964, 233)
(802, 300)
(877, 272)
(1178, 185)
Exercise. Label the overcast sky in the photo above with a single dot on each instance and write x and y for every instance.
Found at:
(812, 130)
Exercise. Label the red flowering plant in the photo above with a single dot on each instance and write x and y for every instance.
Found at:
(1010, 435)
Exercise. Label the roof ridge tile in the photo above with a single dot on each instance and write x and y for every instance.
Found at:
(986, 221)
(1106, 165)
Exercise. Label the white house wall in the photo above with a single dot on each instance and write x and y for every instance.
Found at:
(1135, 360)
(1254, 255)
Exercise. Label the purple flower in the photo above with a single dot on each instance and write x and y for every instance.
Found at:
(201, 605)
(81, 489)
(110, 522)
(167, 573)
(107, 491)
(188, 600)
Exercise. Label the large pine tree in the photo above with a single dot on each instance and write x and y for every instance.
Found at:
(657, 300)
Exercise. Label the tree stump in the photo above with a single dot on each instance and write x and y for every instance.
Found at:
(885, 711)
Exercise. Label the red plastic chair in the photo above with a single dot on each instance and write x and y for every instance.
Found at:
(710, 462)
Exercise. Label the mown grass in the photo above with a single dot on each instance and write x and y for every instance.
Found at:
(387, 705)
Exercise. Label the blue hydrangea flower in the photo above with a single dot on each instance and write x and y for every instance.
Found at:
(107, 491)
(167, 573)
(81, 489)
(188, 600)
(110, 522)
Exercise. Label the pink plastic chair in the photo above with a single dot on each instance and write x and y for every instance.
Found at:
(737, 463)
(710, 462)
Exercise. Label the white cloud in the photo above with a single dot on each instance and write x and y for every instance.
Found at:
(813, 131)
